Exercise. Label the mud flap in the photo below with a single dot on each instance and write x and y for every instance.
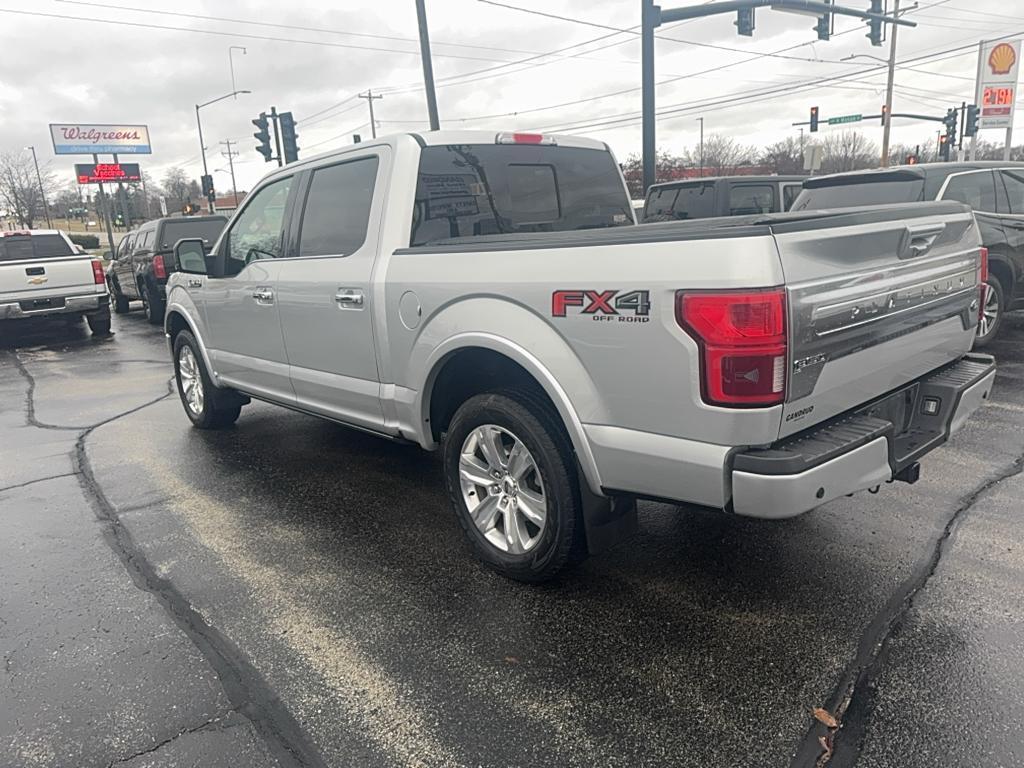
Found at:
(607, 521)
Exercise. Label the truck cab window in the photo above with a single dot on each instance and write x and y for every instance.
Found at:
(256, 234)
(1014, 181)
(337, 212)
(976, 189)
(466, 190)
(746, 199)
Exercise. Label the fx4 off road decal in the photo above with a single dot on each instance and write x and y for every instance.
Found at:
(603, 306)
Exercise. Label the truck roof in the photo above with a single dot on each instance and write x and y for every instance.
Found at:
(442, 138)
(23, 232)
(738, 177)
(909, 172)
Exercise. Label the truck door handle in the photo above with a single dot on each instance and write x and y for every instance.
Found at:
(349, 298)
(922, 238)
(264, 296)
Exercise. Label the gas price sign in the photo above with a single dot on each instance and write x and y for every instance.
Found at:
(998, 67)
(98, 173)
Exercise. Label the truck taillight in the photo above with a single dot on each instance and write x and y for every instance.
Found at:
(984, 265)
(158, 267)
(97, 272)
(742, 337)
(524, 138)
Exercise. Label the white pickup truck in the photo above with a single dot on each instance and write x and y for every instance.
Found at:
(42, 273)
(491, 295)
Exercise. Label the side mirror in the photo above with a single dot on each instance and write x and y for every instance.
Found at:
(190, 256)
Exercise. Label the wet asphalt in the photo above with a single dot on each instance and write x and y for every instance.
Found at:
(289, 592)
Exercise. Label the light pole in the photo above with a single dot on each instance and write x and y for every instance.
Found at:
(891, 63)
(428, 67)
(42, 192)
(199, 125)
(701, 121)
(231, 63)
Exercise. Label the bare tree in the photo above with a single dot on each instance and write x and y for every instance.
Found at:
(784, 156)
(176, 186)
(19, 187)
(722, 155)
(847, 151)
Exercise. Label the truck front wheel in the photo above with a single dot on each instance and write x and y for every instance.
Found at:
(511, 477)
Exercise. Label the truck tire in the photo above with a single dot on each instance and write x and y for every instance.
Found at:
(198, 395)
(99, 323)
(991, 313)
(153, 307)
(121, 303)
(511, 477)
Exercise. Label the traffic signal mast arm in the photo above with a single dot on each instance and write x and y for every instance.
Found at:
(666, 16)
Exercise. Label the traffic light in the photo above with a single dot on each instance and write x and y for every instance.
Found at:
(823, 27)
(950, 122)
(875, 25)
(885, 112)
(814, 119)
(207, 184)
(190, 209)
(745, 22)
(289, 148)
(263, 137)
(971, 120)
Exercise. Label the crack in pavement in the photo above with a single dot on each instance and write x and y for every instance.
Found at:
(37, 480)
(250, 695)
(851, 703)
(161, 744)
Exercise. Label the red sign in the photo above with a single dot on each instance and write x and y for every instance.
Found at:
(97, 173)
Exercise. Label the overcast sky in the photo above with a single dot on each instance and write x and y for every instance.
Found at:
(60, 64)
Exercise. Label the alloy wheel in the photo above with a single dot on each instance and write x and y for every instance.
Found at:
(191, 380)
(502, 489)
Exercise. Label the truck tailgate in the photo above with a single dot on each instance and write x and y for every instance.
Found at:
(33, 278)
(877, 297)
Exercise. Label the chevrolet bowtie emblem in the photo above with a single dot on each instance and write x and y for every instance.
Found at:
(37, 280)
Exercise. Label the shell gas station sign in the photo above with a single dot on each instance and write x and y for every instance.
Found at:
(998, 69)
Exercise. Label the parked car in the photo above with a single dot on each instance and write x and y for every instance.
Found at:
(490, 295)
(43, 274)
(140, 267)
(994, 190)
(720, 196)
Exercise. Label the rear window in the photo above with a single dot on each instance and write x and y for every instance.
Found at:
(481, 189)
(174, 231)
(688, 201)
(15, 247)
(854, 191)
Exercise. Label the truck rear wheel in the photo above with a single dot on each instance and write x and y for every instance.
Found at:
(153, 306)
(511, 477)
(198, 395)
(991, 312)
(99, 323)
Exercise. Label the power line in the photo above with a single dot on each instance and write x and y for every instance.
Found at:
(166, 28)
(659, 37)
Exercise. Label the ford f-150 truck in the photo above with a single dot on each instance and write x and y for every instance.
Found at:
(42, 273)
(492, 296)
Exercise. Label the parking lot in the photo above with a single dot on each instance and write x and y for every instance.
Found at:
(289, 592)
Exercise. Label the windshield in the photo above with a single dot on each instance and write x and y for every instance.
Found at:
(208, 229)
(15, 247)
(853, 191)
(481, 189)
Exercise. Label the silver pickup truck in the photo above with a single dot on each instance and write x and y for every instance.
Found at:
(492, 296)
(43, 274)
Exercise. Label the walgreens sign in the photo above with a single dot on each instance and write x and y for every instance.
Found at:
(88, 139)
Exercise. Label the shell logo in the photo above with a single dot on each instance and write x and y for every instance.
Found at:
(1002, 58)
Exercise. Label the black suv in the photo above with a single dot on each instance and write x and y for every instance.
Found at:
(995, 190)
(144, 259)
(720, 196)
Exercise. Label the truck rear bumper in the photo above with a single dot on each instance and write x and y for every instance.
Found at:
(862, 449)
(54, 305)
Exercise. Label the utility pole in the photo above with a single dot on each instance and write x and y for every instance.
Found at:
(888, 86)
(230, 155)
(277, 136)
(42, 192)
(369, 102)
(123, 200)
(647, 21)
(801, 141)
(428, 67)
